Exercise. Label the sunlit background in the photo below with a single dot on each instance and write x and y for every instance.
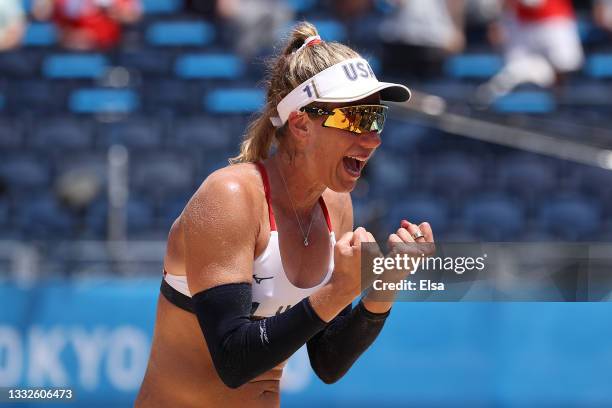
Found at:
(112, 112)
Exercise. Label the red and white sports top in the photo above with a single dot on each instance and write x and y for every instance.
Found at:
(538, 10)
(273, 293)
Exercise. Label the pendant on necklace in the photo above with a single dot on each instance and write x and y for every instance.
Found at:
(305, 242)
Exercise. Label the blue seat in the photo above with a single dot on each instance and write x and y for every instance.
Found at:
(24, 172)
(99, 100)
(79, 66)
(180, 33)
(239, 100)
(330, 30)
(206, 66)
(494, 218)
(2, 102)
(208, 133)
(418, 209)
(40, 35)
(4, 212)
(526, 102)
(302, 6)
(33, 96)
(452, 174)
(132, 133)
(525, 175)
(571, 217)
(593, 181)
(161, 6)
(473, 66)
(11, 134)
(389, 174)
(402, 137)
(599, 66)
(173, 95)
(61, 133)
(160, 174)
(140, 215)
(148, 61)
(21, 64)
(44, 218)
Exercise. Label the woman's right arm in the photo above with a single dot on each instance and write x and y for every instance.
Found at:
(220, 227)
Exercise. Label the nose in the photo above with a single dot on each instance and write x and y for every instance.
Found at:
(370, 140)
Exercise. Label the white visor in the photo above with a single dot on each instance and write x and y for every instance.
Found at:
(347, 81)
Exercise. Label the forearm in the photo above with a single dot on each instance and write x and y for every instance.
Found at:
(242, 349)
(334, 350)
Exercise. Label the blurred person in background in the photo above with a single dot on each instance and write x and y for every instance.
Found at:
(602, 14)
(541, 46)
(253, 26)
(89, 24)
(252, 270)
(420, 34)
(12, 24)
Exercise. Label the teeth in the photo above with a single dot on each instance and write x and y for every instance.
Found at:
(356, 158)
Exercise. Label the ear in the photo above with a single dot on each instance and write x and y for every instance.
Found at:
(298, 124)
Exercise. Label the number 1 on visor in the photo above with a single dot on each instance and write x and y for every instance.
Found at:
(355, 119)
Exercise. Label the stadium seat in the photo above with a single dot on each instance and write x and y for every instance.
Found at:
(100, 100)
(11, 134)
(132, 133)
(206, 132)
(180, 33)
(33, 96)
(147, 61)
(526, 175)
(60, 133)
(172, 95)
(593, 181)
(493, 218)
(525, 102)
(232, 101)
(402, 136)
(330, 30)
(599, 66)
(452, 174)
(159, 174)
(419, 208)
(161, 6)
(302, 6)
(209, 66)
(473, 66)
(140, 215)
(24, 172)
(570, 217)
(74, 66)
(389, 175)
(85, 160)
(43, 217)
(4, 212)
(171, 209)
(20, 64)
(40, 35)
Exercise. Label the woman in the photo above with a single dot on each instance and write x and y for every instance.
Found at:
(252, 265)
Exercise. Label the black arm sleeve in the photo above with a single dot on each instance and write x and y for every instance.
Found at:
(241, 349)
(334, 350)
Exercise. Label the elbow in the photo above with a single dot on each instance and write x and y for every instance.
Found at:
(230, 379)
(330, 375)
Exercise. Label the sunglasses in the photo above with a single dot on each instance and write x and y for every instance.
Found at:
(355, 119)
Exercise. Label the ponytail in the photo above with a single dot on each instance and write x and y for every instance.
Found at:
(285, 72)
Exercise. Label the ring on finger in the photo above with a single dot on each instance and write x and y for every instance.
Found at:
(418, 235)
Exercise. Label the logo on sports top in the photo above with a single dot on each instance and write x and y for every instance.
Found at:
(259, 280)
(354, 70)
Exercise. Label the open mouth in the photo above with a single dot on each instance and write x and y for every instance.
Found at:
(353, 165)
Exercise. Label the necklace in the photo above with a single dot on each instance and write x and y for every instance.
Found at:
(307, 234)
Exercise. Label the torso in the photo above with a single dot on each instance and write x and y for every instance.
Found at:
(180, 371)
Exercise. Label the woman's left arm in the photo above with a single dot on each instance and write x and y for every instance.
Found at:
(335, 349)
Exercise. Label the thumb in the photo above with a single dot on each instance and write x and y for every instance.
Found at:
(359, 236)
(346, 239)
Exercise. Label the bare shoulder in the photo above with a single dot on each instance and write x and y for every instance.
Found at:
(340, 207)
(228, 198)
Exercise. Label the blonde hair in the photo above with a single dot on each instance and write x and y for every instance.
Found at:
(285, 73)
